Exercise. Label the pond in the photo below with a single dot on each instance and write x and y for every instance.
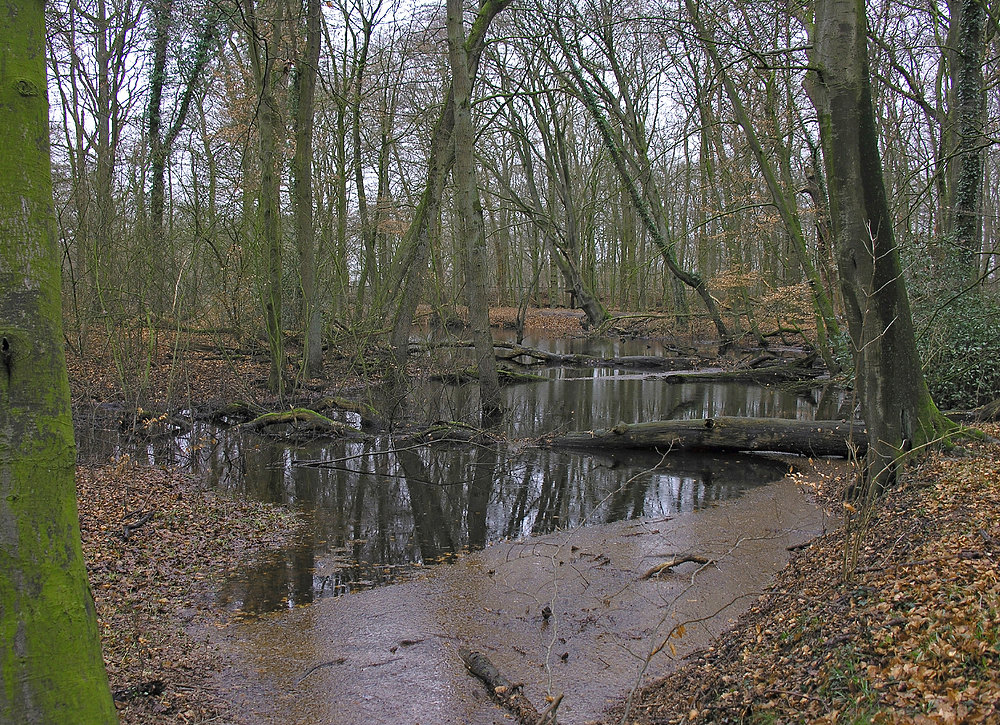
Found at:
(566, 529)
(378, 512)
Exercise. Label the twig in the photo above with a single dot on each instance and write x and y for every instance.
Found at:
(549, 714)
(676, 561)
(321, 665)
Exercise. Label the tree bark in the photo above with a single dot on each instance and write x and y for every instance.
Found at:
(895, 402)
(304, 93)
(51, 670)
(471, 225)
(727, 435)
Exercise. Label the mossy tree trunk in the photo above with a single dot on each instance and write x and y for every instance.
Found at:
(965, 142)
(51, 669)
(303, 110)
(263, 55)
(895, 403)
(471, 225)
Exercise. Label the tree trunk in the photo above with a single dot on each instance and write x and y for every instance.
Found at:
(408, 270)
(827, 329)
(966, 123)
(642, 190)
(268, 231)
(304, 93)
(50, 660)
(161, 144)
(471, 217)
(895, 402)
(726, 435)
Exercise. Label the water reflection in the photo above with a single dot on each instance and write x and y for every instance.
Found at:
(378, 512)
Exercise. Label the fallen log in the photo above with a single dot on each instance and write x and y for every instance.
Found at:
(765, 374)
(303, 419)
(370, 418)
(471, 374)
(529, 357)
(504, 692)
(726, 434)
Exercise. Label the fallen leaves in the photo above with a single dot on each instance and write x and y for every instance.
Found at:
(151, 585)
(913, 637)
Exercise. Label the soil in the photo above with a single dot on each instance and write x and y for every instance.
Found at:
(912, 635)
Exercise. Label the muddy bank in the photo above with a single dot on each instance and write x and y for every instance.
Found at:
(390, 655)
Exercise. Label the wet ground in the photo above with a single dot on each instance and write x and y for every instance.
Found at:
(412, 552)
(389, 655)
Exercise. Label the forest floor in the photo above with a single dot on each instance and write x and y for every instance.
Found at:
(912, 636)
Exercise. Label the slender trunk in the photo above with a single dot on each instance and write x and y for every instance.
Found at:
(828, 329)
(967, 121)
(304, 92)
(408, 270)
(470, 225)
(268, 230)
(160, 143)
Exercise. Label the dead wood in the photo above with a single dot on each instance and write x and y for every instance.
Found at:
(144, 518)
(370, 418)
(529, 357)
(303, 419)
(726, 434)
(676, 561)
(471, 373)
(762, 374)
(453, 431)
(504, 692)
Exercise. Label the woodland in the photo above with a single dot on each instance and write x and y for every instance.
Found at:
(262, 211)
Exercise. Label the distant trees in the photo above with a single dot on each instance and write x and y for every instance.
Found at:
(626, 157)
(51, 669)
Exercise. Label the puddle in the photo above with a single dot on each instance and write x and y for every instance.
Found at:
(390, 654)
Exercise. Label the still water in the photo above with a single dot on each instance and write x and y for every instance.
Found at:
(380, 511)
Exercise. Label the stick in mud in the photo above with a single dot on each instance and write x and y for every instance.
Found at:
(506, 693)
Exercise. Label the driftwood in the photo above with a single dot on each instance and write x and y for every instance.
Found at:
(507, 694)
(726, 434)
(529, 356)
(676, 561)
(304, 420)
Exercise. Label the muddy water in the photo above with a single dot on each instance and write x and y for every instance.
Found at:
(390, 655)
(447, 547)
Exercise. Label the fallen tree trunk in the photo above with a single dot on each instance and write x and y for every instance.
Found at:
(303, 419)
(727, 434)
(529, 356)
(766, 374)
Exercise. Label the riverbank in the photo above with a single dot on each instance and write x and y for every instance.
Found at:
(156, 545)
(912, 636)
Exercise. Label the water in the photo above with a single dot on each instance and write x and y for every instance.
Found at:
(379, 511)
